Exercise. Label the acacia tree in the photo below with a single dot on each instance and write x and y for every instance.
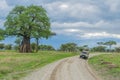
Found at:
(100, 43)
(8, 47)
(27, 22)
(46, 48)
(70, 47)
(110, 43)
(1, 46)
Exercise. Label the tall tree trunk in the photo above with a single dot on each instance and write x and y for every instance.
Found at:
(25, 45)
(37, 44)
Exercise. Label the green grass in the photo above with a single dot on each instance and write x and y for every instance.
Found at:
(14, 65)
(107, 65)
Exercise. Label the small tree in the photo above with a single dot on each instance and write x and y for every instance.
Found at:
(100, 43)
(45, 36)
(110, 43)
(1, 46)
(99, 49)
(46, 48)
(70, 47)
(117, 49)
(33, 45)
(8, 47)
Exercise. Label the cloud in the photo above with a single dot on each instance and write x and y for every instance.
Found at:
(3, 4)
(4, 8)
(114, 5)
(61, 10)
(99, 35)
(78, 18)
(100, 29)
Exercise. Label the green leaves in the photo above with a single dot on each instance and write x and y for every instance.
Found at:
(2, 33)
(70, 47)
(110, 43)
(31, 21)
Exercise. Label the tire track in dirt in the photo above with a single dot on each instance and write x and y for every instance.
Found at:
(54, 72)
(91, 71)
(72, 68)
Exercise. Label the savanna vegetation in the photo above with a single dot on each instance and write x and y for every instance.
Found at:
(25, 23)
(14, 65)
(28, 22)
(107, 66)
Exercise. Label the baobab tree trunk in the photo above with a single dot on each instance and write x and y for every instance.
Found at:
(25, 45)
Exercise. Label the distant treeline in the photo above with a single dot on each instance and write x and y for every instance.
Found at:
(67, 47)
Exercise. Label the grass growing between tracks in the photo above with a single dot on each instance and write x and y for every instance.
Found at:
(107, 66)
(14, 65)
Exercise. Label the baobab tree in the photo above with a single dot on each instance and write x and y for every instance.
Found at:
(28, 22)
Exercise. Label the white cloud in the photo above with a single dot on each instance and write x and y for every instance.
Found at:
(71, 25)
(98, 24)
(100, 35)
(62, 10)
(114, 5)
(72, 30)
(3, 4)
(83, 10)
(4, 8)
(100, 29)
(64, 6)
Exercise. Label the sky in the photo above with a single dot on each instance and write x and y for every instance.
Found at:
(84, 22)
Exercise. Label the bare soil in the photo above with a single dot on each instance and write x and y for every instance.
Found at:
(72, 68)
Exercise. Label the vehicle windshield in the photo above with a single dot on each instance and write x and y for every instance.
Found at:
(84, 52)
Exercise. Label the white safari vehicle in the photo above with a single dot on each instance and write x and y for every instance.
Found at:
(84, 55)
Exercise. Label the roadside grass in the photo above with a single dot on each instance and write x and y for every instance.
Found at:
(15, 65)
(107, 66)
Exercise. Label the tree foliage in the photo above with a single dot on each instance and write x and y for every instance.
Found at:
(1, 46)
(117, 49)
(46, 48)
(8, 47)
(110, 43)
(82, 48)
(33, 46)
(37, 40)
(98, 49)
(100, 43)
(18, 41)
(2, 33)
(28, 22)
(70, 47)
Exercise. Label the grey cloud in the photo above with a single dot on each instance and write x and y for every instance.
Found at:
(100, 28)
(24, 2)
(76, 11)
(77, 17)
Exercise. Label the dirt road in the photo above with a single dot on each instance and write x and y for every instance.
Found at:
(72, 68)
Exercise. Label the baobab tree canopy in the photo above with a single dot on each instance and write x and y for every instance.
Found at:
(28, 22)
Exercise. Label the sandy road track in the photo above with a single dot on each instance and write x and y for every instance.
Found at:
(72, 68)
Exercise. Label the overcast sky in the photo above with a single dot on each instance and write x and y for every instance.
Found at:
(79, 21)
